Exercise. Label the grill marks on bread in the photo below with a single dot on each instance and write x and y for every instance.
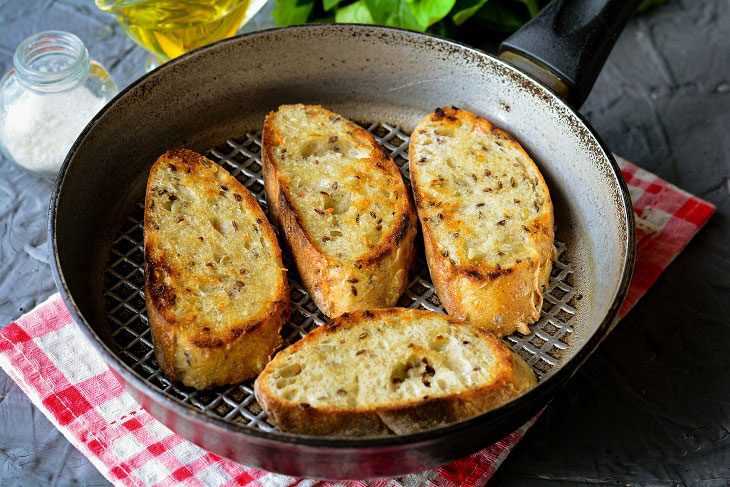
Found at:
(389, 371)
(214, 280)
(487, 219)
(342, 206)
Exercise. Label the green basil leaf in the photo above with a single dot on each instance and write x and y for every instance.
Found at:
(355, 13)
(380, 10)
(465, 9)
(444, 28)
(292, 12)
(428, 12)
(329, 4)
(395, 13)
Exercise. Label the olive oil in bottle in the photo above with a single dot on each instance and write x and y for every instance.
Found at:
(169, 28)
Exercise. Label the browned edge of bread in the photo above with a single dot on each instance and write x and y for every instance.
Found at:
(512, 378)
(204, 358)
(331, 284)
(500, 299)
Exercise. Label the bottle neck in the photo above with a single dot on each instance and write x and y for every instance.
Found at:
(51, 61)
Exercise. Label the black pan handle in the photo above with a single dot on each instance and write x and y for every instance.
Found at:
(566, 44)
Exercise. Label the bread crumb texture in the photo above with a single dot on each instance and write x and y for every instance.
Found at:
(348, 205)
(214, 259)
(390, 361)
(480, 191)
(487, 220)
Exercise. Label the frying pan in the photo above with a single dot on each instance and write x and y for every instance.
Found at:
(214, 100)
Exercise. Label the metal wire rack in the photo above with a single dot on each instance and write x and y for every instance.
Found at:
(126, 311)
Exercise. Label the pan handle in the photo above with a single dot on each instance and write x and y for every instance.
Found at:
(566, 45)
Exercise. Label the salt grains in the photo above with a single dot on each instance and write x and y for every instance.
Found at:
(39, 128)
(54, 90)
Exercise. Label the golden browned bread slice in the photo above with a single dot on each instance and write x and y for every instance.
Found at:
(389, 371)
(342, 206)
(216, 290)
(487, 220)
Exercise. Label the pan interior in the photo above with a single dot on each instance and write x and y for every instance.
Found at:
(544, 348)
(215, 100)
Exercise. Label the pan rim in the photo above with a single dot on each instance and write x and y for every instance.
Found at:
(527, 400)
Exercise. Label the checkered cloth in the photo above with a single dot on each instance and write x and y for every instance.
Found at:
(46, 354)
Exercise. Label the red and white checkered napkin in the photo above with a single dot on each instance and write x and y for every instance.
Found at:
(46, 354)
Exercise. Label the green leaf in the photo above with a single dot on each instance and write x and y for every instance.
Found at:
(465, 9)
(355, 13)
(395, 13)
(428, 12)
(445, 28)
(380, 10)
(292, 12)
(499, 17)
(329, 4)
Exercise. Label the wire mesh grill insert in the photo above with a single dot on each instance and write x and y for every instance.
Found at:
(125, 303)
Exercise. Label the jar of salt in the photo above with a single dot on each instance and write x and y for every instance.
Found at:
(47, 99)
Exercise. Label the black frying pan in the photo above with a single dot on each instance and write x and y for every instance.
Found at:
(373, 75)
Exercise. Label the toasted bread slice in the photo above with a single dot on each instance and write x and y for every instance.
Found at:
(216, 290)
(389, 371)
(342, 206)
(487, 220)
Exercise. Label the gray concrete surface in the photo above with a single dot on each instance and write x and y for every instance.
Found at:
(651, 407)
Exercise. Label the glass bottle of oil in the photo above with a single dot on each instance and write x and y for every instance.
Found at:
(169, 28)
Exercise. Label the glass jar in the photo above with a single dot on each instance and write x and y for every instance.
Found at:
(47, 99)
(169, 28)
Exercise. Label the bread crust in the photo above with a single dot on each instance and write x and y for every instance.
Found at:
(197, 356)
(512, 377)
(381, 273)
(499, 299)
